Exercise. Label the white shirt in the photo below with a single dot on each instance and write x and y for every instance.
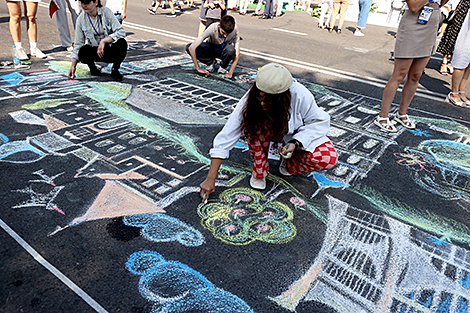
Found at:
(308, 124)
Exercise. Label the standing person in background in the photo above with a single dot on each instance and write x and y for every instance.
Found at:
(30, 10)
(268, 10)
(364, 10)
(326, 5)
(62, 22)
(202, 19)
(156, 4)
(243, 6)
(258, 8)
(414, 46)
(118, 7)
(337, 6)
(447, 44)
(214, 9)
(461, 61)
(276, 110)
(99, 37)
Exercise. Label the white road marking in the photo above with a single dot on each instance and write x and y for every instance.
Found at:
(82, 294)
(289, 31)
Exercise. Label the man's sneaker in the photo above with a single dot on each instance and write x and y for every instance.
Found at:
(21, 54)
(222, 70)
(151, 11)
(358, 33)
(35, 52)
(171, 15)
(154, 4)
(256, 183)
(211, 67)
(283, 168)
(180, 8)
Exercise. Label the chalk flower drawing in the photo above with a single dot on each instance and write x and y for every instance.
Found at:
(415, 161)
(162, 228)
(243, 215)
(175, 287)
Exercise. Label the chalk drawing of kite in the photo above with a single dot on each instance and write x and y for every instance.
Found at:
(174, 287)
(45, 178)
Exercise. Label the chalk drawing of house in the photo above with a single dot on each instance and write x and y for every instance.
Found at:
(373, 263)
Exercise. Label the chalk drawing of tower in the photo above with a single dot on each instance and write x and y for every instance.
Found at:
(373, 263)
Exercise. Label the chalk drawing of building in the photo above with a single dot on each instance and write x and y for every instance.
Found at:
(373, 263)
(358, 141)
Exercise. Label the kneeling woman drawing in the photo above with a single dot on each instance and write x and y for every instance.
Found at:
(276, 109)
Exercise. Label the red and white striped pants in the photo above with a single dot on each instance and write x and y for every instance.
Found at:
(323, 158)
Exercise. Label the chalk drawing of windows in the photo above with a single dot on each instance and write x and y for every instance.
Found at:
(402, 270)
(104, 143)
(116, 149)
(111, 124)
(137, 141)
(126, 136)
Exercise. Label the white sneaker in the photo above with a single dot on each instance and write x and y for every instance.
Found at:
(283, 168)
(222, 70)
(256, 183)
(358, 33)
(21, 54)
(211, 67)
(35, 52)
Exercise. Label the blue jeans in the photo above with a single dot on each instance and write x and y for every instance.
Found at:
(364, 9)
(118, 16)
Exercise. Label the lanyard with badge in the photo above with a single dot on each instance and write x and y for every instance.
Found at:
(98, 25)
(425, 14)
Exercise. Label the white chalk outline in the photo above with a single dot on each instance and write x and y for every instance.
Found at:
(82, 294)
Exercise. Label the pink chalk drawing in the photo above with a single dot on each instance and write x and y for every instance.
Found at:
(93, 113)
(243, 198)
(181, 162)
(222, 176)
(263, 228)
(230, 228)
(87, 107)
(297, 201)
(158, 148)
(415, 161)
(239, 213)
(269, 214)
(58, 210)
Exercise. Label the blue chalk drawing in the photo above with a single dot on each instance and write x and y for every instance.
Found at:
(4, 139)
(324, 183)
(241, 146)
(420, 132)
(13, 78)
(175, 287)
(10, 148)
(163, 228)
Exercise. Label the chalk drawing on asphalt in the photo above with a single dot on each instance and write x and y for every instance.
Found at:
(20, 151)
(174, 287)
(37, 199)
(241, 216)
(25, 117)
(159, 227)
(45, 178)
(373, 263)
(441, 167)
(115, 200)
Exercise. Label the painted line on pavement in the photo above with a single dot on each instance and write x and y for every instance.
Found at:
(289, 31)
(82, 294)
(380, 83)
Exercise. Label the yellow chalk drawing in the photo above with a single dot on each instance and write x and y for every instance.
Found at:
(243, 215)
(63, 67)
(115, 200)
(44, 104)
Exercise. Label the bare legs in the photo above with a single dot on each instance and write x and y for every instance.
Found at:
(410, 68)
(459, 82)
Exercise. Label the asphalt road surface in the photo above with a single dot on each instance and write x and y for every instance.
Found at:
(100, 206)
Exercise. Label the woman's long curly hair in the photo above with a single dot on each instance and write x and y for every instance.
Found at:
(254, 117)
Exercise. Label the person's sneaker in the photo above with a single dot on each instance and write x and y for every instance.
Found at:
(211, 67)
(69, 48)
(21, 54)
(358, 33)
(222, 70)
(35, 52)
(180, 7)
(256, 183)
(171, 15)
(94, 71)
(151, 11)
(154, 4)
(164, 6)
(283, 168)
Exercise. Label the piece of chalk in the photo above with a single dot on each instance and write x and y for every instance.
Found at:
(287, 154)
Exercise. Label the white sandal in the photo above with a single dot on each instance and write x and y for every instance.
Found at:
(456, 103)
(404, 120)
(466, 102)
(385, 127)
